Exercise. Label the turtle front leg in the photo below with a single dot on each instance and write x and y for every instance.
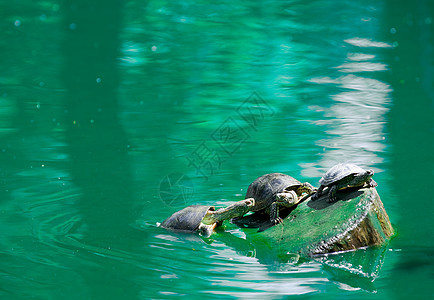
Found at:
(332, 194)
(274, 213)
(372, 183)
(206, 230)
(318, 193)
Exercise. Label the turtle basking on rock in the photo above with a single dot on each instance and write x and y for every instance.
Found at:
(343, 176)
(204, 218)
(274, 191)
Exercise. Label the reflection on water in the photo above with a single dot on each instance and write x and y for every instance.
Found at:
(354, 123)
(231, 272)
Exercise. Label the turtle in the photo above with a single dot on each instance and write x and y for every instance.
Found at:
(204, 218)
(275, 190)
(342, 176)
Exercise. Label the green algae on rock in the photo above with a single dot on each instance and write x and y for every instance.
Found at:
(319, 227)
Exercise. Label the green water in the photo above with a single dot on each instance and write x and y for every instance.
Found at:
(115, 114)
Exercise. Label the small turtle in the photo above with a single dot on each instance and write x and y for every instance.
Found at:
(204, 218)
(275, 190)
(343, 176)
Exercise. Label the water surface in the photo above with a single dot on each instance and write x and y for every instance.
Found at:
(113, 115)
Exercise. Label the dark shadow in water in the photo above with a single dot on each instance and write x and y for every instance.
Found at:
(96, 140)
(97, 143)
(411, 135)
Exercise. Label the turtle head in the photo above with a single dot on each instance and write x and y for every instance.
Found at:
(235, 210)
(249, 202)
(369, 173)
(363, 177)
(287, 199)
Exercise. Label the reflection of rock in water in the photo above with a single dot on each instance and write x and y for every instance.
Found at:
(352, 270)
(355, 122)
(355, 269)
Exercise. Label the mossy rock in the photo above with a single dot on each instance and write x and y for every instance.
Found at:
(357, 220)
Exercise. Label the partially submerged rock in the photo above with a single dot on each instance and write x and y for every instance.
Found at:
(319, 227)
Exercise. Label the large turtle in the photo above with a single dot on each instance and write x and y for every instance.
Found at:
(275, 190)
(204, 218)
(343, 176)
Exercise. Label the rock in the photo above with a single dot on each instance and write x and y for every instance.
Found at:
(357, 220)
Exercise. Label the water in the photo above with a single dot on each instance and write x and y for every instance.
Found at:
(114, 115)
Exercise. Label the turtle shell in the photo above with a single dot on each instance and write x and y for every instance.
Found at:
(338, 172)
(187, 219)
(265, 188)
